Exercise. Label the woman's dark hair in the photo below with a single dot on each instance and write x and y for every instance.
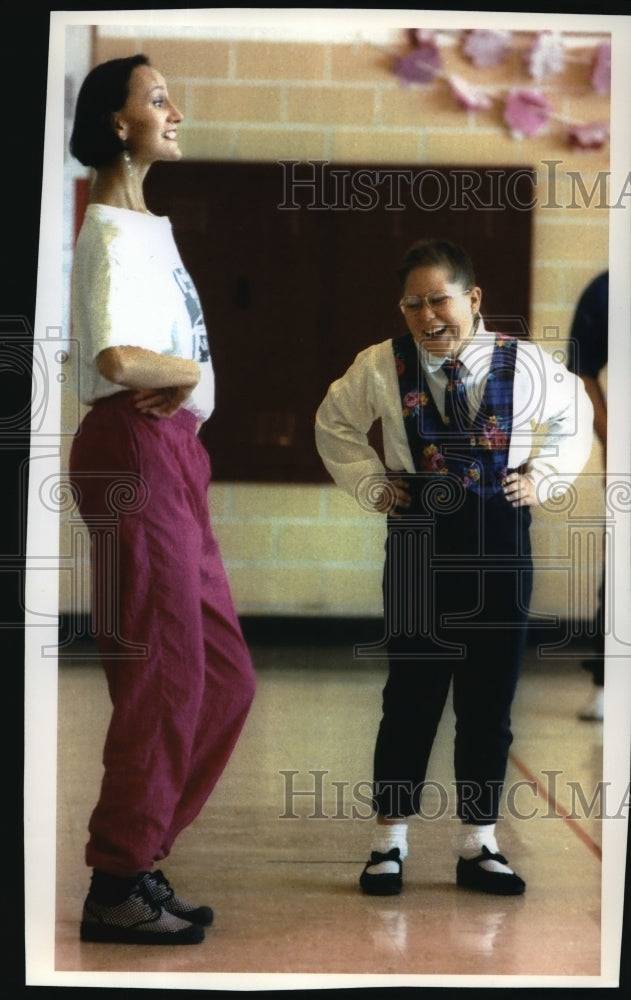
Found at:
(439, 253)
(93, 141)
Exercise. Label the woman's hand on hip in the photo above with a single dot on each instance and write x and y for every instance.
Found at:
(161, 403)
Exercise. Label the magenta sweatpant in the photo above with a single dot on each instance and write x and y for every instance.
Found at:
(179, 673)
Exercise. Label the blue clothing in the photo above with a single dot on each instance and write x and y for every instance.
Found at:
(588, 353)
(475, 450)
(589, 332)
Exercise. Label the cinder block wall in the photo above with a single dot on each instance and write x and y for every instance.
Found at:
(308, 550)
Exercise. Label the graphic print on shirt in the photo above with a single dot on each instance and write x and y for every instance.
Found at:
(201, 351)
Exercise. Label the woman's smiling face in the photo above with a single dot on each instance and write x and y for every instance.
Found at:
(444, 326)
(147, 123)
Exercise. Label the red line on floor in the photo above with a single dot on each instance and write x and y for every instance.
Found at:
(563, 813)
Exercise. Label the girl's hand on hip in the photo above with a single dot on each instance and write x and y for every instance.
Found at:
(519, 490)
(394, 497)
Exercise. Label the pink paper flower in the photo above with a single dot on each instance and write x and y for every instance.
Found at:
(526, 111)
(420, 65)
(487, 48)
(420, 36)
(590, 136)
(469, 97)
(546, 56)
(601, 69)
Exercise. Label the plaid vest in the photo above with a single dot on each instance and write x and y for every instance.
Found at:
(476, 455)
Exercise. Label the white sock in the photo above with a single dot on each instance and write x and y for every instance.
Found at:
(385, 837)
(470, 840)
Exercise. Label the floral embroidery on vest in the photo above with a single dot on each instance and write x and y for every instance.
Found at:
(478, 455)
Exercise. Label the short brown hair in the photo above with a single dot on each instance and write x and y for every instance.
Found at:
(439, 253)
(105, 89)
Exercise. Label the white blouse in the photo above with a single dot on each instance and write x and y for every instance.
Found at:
(552, 430)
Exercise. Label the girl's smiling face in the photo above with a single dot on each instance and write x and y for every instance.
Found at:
(442, 327)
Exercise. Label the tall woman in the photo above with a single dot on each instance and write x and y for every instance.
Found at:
(178, 670)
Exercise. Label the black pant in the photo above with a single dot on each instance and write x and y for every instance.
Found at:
(457, 586)
(596, 664)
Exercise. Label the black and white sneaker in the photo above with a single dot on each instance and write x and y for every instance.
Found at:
(137, 920)
(162, 894)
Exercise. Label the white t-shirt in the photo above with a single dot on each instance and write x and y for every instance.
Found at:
(131, 289)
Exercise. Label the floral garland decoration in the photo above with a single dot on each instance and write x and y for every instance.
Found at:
(527, 110)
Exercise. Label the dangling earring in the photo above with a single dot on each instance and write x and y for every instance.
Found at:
(128, 163)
